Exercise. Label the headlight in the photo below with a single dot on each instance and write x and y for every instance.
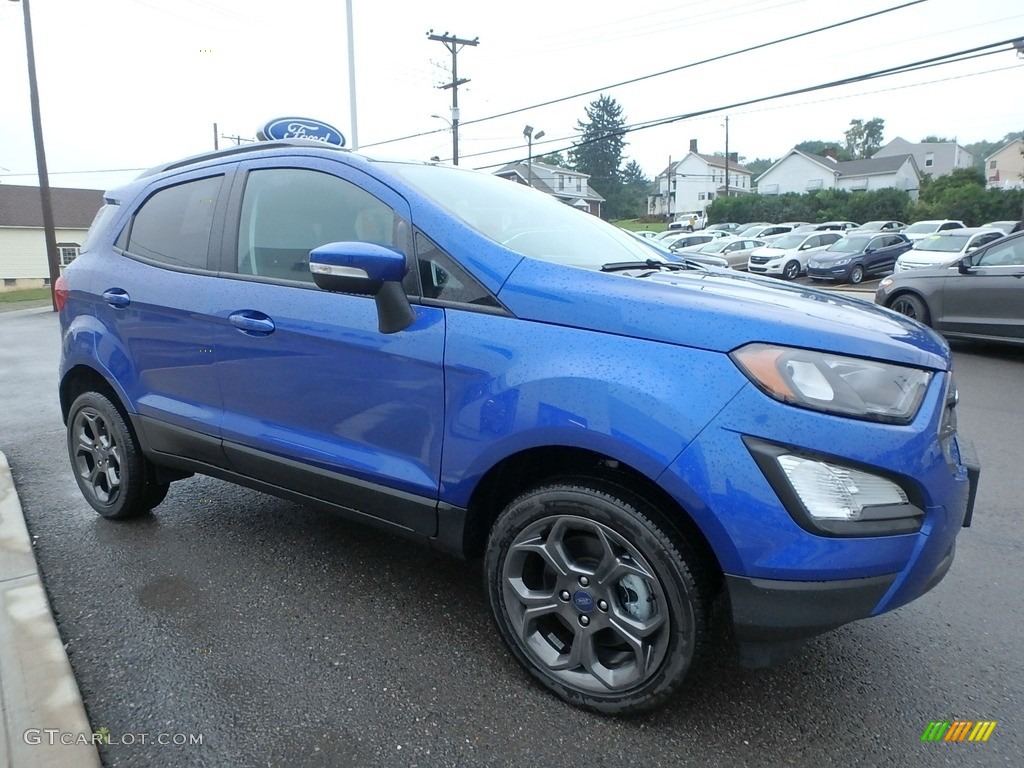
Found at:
(844, 386)
(843, 261)
(886, 282)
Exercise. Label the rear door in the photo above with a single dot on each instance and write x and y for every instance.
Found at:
(317, 400)
(155, 299)
(988, 300)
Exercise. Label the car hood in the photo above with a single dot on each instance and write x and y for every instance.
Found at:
(718, 310)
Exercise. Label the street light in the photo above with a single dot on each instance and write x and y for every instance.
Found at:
(451, 125)
(530, 136)
(49, 235)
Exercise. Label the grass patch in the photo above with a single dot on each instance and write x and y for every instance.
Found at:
(28, 294)
(638, 226)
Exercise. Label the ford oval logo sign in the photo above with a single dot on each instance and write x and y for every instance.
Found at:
(301, 128)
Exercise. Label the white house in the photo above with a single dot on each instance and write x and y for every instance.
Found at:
(691, 184)
(22, 241)
(934, 157)
(571, 187)
(1004, 168)
(802, 172)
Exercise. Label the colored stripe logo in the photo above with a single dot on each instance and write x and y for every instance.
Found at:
(958, 730)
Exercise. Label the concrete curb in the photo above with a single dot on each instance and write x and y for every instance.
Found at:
(43, 718)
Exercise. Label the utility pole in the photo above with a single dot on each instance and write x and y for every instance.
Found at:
(216, 141)
(727, 156)
(454, 44)
(49, 232)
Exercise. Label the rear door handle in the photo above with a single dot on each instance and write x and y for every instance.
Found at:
(117, 298)
(251, 322)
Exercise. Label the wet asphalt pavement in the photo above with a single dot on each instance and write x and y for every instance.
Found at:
(279, 635)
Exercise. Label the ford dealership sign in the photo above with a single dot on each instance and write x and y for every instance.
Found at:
(300, 128)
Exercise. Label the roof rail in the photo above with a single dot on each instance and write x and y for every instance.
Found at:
(241, 149)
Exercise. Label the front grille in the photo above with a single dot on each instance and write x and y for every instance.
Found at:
(759, 259)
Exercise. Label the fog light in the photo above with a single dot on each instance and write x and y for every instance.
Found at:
(832, 492)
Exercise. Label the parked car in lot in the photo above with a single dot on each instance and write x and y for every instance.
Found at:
(664, 253)
(945, 247)
(836, 226)
(881, 226)
(731, 227)
(920, 229)
(856, 256)
(645, 233)
(692, 239)
(635, 450)
(734, 250)
(981, 297)
(787, 256)
(1006, 226)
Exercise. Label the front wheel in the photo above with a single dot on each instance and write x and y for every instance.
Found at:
(910, 305)
(857, 274)
(791, 271)
(593, 597)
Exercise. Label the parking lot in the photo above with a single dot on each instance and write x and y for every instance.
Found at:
(283, 636)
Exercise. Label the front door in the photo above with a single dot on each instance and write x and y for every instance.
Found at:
(316, 399)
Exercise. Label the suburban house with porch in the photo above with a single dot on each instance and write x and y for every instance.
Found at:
(22, 241)
(690, 184)
(802, 172)
(571, 187)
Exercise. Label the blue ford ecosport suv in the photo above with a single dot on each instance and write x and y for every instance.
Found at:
(632, 446)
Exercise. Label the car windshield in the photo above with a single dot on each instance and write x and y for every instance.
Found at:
(524, 220)
(921, 227)
(751, 231)
(788, 241)
(849, 244)
(873, 225)
(714, 247)
(943, 243)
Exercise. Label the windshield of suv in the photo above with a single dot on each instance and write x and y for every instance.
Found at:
(943, 243)
(788, 241)
(524, 220)
(849, 244)
(921, 227)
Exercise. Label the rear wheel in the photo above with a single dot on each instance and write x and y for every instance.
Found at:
(111, 471)
(857, 274)
(593, 597)
(910, 305)
(792, 270)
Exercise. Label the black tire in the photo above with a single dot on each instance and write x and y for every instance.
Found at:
(857, 274)
(910, 305)
(791, 271)
(612, 618)
(111, 471)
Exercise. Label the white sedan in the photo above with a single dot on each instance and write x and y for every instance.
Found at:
(787, 256)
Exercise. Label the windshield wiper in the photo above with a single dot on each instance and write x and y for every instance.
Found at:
(621, 266)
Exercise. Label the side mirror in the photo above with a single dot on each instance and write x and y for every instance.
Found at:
(964, 265)
(366, 269)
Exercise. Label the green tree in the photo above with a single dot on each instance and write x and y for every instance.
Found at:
(556, 159)
(599, 150)
(863, 139)
(635, 186)
(757, 166)
(815, 147)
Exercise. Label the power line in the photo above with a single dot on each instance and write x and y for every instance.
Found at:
(949, 58)
(663, 72)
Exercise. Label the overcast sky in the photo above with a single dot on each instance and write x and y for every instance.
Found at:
(127, 84)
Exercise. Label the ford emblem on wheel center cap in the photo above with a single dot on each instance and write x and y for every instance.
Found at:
(583, 601)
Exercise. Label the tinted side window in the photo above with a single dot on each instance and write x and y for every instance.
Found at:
(287, 212)
(1003, 255)
(444, 280)
(173, 225)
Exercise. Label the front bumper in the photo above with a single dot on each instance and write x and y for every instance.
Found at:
(771, 619)
(840, 274)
